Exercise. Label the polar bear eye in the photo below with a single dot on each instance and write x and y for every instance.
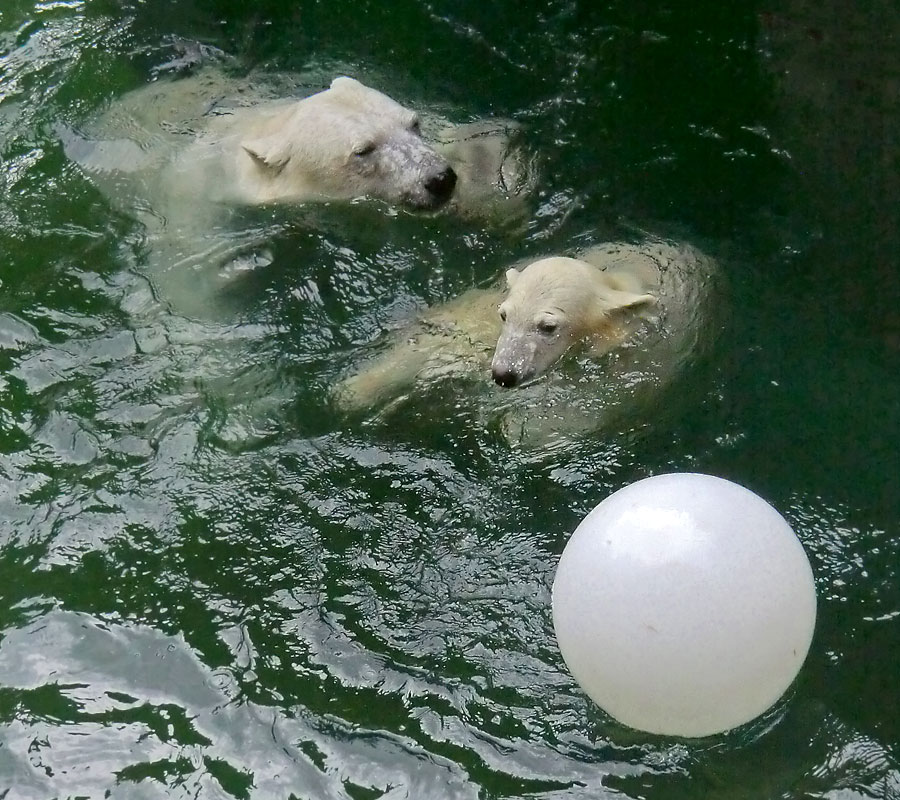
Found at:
(415, 125)
(502, 314)
(365, 149)
(547, 326)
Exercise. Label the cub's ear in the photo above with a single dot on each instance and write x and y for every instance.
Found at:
(270, 152)
(343, 83)
(512, 275)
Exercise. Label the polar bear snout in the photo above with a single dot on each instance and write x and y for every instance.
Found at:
(433, 186)
(440, 184)
(506, 377)
(405, 169)
(515, 360)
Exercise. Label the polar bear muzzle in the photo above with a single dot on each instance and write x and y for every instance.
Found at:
(404, 163)
(523, 353)
(440, 185)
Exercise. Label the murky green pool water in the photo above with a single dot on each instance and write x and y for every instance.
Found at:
(210, 586)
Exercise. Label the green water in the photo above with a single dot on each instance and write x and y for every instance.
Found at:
(212, 587)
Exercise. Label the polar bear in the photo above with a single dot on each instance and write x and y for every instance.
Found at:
(637, 310)
(344, 142)
(186, 155)
(557, 302)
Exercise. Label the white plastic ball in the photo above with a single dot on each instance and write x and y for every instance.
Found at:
(684, 605)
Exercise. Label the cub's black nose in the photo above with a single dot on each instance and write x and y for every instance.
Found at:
(441, 184)
(505, 377)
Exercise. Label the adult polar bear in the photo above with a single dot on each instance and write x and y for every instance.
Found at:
(182, 155)
(635, 311)
(345, 142)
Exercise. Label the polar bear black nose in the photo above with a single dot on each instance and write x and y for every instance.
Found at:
(441, 184)
(505, 377)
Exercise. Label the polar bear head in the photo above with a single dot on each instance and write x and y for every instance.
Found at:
(351, 141)
(552, 304)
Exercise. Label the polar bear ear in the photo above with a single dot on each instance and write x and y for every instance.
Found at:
(270, 152)
(343, 82)
(512, 275)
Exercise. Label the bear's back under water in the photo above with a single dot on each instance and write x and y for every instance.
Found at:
(132, 151)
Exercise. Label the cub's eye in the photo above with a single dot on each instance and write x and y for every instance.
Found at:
(416, 125)
(503, 314)
(547, 326)
(365, 149)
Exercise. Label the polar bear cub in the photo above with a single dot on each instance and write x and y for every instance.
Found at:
(648, 298)
(556, 302)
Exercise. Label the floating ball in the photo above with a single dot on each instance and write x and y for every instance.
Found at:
(684, 605)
